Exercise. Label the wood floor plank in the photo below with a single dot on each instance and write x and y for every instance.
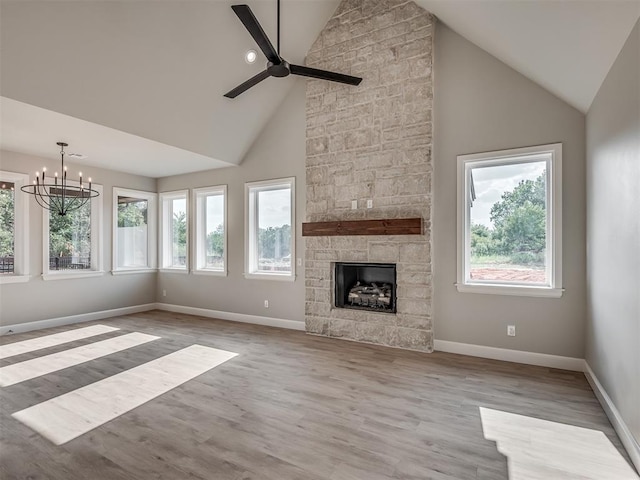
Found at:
(292, 406)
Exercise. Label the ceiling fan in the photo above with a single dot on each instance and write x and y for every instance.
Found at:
(276, 65)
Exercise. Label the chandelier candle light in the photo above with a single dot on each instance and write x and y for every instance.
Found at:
(59, 196)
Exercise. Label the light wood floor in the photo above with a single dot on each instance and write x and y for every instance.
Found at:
(289, 406)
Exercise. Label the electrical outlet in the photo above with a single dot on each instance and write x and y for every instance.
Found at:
(511, 330)
(354, 204)
(369, 203)
(266, 304)
(164, 293)
(299, 262)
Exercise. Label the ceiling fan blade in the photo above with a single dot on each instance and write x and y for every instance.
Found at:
(243, 87)
(324, 75)
(250, 22)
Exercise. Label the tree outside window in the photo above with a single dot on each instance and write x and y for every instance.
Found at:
(7, 227)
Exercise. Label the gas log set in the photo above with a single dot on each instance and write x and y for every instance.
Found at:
(372, 295)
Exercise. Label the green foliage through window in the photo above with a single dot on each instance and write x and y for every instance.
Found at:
(519, 221)
(70, 239)
(7, 219)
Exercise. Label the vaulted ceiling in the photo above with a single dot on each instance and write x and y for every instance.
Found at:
(138, 85)
(154, 69)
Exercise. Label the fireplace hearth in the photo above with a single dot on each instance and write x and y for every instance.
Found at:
(365, 286)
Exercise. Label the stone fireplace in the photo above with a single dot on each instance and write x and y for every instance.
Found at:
(371, 146)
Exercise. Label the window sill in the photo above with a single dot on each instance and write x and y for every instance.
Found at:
(131, 271)
(521, 291)
(14, 278)
(213, 273)
(183, 271)
(71, 275)
(286, 277)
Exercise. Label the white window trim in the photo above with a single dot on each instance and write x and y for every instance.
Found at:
(249, 244)
(165, 235)
(152, 231)
(200, 224)
(554, 221)
(96, 242)
(20, 228)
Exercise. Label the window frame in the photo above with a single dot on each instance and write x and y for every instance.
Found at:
(165, 231)
(251, 220)
(152, 231)
(20, 229)
(97, 265)
(554, 220)
(200, 222)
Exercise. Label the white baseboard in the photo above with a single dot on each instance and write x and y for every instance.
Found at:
(507, 355)
(234, 317)
(626, 437)
(82, 317)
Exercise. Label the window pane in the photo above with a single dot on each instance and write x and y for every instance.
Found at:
(179, 232)
(508, 216)
(70, 239)
(7, 227)
(274, 230)
(132, 232)
(214, 231)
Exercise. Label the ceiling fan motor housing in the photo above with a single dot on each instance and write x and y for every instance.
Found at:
(281, 70)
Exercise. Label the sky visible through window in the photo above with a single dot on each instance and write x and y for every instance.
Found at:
(491, 182)
(179, 206)
(275, 208)
(215, 212)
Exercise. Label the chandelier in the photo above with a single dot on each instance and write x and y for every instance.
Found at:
(57, 195)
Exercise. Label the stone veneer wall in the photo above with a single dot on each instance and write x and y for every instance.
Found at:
(372, 142)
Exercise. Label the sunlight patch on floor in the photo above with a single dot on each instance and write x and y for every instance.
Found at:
(77, 412)
(540, 449)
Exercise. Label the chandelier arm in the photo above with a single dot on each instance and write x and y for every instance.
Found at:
(76, 203)
(40, 201)
(55, 201)
(50, 202)
(70, 204)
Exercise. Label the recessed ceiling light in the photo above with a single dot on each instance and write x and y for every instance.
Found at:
(250, 56)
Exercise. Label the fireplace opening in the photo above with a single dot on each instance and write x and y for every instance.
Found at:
(366, 286)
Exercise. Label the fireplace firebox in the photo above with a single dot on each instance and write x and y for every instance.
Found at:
(366, 286)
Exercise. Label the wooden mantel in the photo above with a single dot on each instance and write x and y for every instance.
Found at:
(391, 226)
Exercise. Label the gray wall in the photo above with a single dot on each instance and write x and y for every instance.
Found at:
(278, 152)
(613, 234)
(483, 105)
(38, 299)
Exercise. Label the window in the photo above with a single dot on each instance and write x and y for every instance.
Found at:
(14, 222)
(270, 233)
(174, 221)
(509, 222)
(211, 235)
(73, 242)
(134, 231)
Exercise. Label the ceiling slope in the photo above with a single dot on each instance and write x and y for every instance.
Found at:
(157, 70)
(565, 46)
(34, 131)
